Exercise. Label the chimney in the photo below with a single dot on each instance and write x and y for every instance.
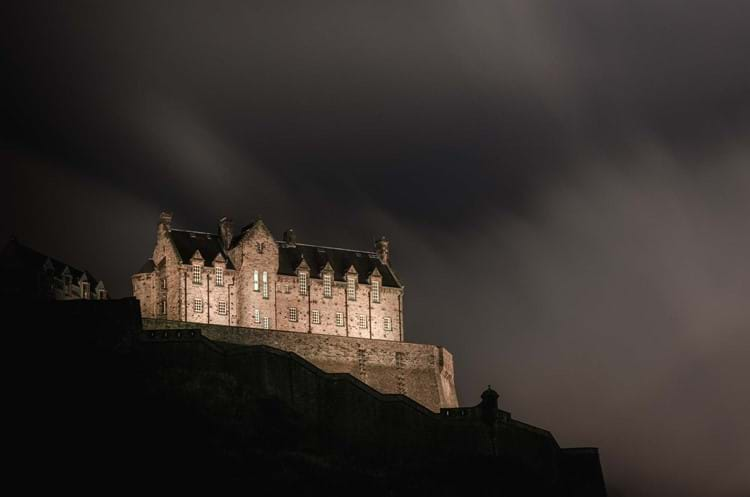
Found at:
(225, 232)
(290, 237)
(383, 250)
(165, 221)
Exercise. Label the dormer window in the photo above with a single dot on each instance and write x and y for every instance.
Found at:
(375, 291)
(85, 294)
(197, 274)
(256, 284)
(219, 276)
(302, 280)
(327, 285)
(351, 287)
(259, 247)
(102, 294)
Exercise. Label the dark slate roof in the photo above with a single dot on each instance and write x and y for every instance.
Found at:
(147, 267)
(22, 259)
(341, 260)
(208, 244)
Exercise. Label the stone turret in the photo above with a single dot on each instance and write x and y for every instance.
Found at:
(225, 232)
(382, 247)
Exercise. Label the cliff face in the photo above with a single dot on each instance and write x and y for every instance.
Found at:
(100, 406)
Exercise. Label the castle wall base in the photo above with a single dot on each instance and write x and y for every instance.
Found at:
(421, 372)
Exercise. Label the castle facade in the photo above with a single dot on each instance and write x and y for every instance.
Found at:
(250, 279)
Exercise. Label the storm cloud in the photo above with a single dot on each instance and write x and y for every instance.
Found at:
(569, 180)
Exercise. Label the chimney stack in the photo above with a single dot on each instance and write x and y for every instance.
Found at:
(290, 237)
(383, 250)
(165, 221)
(225, 232)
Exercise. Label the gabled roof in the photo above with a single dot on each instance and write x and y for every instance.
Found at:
(290, 256)
(208, 244)
(19, 258)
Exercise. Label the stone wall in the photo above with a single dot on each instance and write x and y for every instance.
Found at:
(422, 372)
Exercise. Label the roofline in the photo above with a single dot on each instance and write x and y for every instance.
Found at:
(332, 248)
(193, 231)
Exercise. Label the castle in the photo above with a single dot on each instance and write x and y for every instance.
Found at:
(340, 309)
(251, 280)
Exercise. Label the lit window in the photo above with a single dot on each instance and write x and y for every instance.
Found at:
(198, 305)
(256, 315)
(84, 290)
(222, 308)
(265, 284)
(351, 287)
(387, 324)
(196, 274)
(266, 323)
(292, 314)
(376, 291)
(219, 276)
(163, 307)
(362, 321)
(302, 280)
(339, 319)
(256, 285)
(327, 285)
(316, 317)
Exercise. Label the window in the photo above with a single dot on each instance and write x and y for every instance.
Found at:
(102, 295)
(351, 287)
(222, 308)
(265, 284)
(219, 276)
(286, 288)
(163, 283)
(339, 319)
(293, 314)
(198, 305)
(266, 323)
(375, 292)
(256, 286)
(196, 274)
(387, 324)
(327, 285)
(316, 317)
(302, 280)
(85, 290)
(362, 321)
(163, 307)
(259, 246)
(256, 315)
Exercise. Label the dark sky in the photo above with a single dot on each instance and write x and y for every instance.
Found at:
(566, 184)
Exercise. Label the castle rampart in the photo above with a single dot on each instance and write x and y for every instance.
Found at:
(421, 372)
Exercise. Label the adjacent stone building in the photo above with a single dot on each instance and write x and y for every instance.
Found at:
(250, 279)
(28, 274)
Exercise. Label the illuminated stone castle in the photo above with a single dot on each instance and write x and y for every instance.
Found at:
(252, 280)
